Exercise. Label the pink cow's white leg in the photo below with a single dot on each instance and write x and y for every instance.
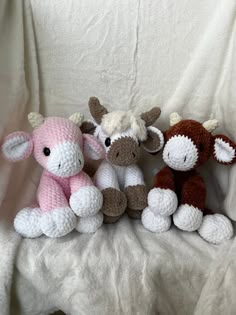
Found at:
(90, 224)
(58, 222)
(87, 201)
(57, 217)
(27, 222)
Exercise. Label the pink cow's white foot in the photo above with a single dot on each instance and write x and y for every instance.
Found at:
(58, 222)
(216, 228)
(188, 218)
(87, 201)
(162, 201)
(155, 222)
(90, 224)
(27, 222)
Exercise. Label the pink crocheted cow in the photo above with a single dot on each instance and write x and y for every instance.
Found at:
(65, 191)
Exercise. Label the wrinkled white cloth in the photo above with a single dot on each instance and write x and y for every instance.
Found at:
(131, 54)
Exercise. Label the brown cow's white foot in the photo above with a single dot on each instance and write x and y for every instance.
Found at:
(216, 228)
(163, 202)
(188, 218)
(155, 222)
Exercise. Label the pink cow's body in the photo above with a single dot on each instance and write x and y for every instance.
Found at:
(51, 186)
(65, 191)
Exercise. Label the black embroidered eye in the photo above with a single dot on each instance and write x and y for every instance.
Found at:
(46, 151)
(108, 142)
(201, 147)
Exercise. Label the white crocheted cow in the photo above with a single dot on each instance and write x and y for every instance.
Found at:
(118, 177)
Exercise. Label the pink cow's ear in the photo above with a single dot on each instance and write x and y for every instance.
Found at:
(224, 150)
(92, 148)
(17, 146)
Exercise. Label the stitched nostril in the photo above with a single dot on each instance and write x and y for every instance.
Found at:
(59, 166)
(117, 154)
(79, 162)
(168, 154)
(185, 158)
(133, 154)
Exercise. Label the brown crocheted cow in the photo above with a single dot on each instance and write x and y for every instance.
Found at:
(179, 189)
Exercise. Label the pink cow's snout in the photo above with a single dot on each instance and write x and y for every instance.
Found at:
(65, 159)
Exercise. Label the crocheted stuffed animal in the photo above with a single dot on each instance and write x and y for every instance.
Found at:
(65, 191)
(179, 189)
(118, 177)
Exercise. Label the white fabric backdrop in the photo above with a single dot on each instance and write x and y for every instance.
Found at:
(179, 55)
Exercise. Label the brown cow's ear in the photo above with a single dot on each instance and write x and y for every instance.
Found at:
(154, 141)
(88, 127)
(224, 150)
(151, 116)
(96, 109)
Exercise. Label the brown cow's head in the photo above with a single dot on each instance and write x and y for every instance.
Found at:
(122, 132)
(189, 144)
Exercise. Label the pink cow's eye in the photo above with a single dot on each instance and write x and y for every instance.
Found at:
(46, 151)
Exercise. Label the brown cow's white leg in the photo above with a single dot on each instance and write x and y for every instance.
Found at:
(188, 218)
(155, 222)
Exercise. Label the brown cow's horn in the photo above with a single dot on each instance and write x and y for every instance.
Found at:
(210, 125)
(175, 118)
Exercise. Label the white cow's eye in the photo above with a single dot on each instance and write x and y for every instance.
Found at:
(108, 142)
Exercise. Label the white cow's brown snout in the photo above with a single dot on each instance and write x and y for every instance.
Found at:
(124, 151)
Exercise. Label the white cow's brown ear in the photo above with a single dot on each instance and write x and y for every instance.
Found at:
(151, 116)
(88, 126)
(96, 109)
(154, 141)
(224, 150)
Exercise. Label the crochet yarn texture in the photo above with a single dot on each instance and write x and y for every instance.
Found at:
(66, 197)
(178, 188)
(118, 177)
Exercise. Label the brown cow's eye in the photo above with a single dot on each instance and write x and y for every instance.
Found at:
(201, 147)
(108, 142)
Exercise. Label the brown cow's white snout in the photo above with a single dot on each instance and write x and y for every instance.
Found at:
(180, 153)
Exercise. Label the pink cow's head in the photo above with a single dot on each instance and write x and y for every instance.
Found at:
(57, 144)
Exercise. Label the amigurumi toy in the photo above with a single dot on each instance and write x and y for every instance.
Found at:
(179, 189)
(65, 191)
(118, 177)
